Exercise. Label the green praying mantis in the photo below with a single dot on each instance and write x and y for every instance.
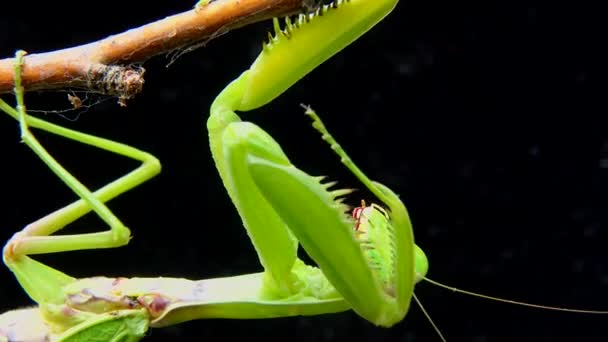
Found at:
(370, 268)
(368, 262)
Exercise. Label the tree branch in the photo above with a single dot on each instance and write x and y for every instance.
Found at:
(108, 66)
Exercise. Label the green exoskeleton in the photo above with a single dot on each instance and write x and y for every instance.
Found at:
(367, 260)
(269, 193)
(260, 178)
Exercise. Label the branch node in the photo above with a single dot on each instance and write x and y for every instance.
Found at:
(121, 81)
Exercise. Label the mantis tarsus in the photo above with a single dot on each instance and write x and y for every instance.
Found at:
(363, 291)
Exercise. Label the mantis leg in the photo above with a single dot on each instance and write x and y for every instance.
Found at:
(280, 205)
(266, 186)
(42, 282)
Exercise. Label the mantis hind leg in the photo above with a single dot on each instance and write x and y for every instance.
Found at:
(41, 282)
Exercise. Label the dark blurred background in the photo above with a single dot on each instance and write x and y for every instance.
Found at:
(486, 119)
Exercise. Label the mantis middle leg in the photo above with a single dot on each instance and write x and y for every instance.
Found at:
(42, 283)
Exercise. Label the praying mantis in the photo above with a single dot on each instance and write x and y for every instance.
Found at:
(381, 260)
(279, 276)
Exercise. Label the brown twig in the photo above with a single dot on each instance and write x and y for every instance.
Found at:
(108, 65)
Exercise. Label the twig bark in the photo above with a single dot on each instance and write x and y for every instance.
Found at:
(109, 66)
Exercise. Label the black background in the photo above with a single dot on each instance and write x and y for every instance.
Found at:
(486, 119)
